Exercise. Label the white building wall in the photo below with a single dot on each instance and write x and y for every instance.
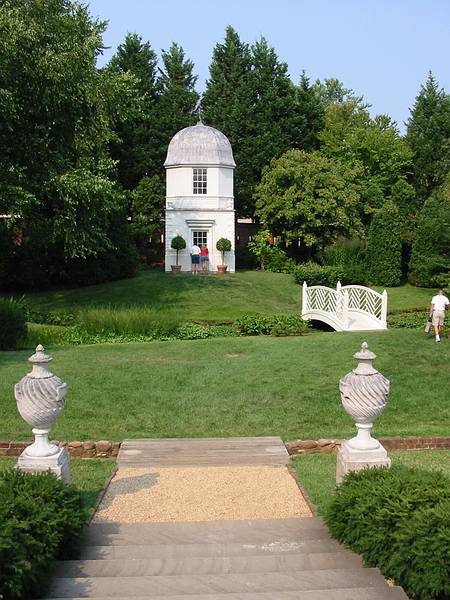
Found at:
(218, 224)
(179, 182)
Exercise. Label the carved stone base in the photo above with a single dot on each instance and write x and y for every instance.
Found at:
(351, 459)
(58, 463)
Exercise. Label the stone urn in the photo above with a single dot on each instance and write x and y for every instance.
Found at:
(40, 399)
(364, 393)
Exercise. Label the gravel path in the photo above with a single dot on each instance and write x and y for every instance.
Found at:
(202, 494)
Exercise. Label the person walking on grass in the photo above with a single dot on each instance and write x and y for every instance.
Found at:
(204, 258)
(437, 312)
(195, 259)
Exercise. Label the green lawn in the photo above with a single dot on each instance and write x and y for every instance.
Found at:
(317, 472)
(211, 298)
(236, 387)
(89, 476)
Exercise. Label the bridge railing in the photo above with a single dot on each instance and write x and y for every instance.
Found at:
(337, 302)
(366, 300)
(319, 298)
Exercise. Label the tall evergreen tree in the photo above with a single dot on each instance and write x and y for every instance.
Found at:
(135, 148)
(178, 98)
(428, 135)
(384, 247)
(310, 112)
(226, 104)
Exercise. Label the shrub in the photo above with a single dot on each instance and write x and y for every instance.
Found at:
(178, 243)
(223, 245)
(245, 259)
(315, 274)
(270, 325)
(41, 520)
(350, 257)
(127, 320)
(384, 247)
(271, 257)
(399, 520)
(408, 320)
(430, 256)
(13, 326)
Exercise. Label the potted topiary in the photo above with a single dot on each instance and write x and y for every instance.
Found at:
(223, 245)
(178, 243)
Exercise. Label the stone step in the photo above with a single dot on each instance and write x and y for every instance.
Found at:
(166, 585)
(377, 593)
(205, 566)
(264, 531)
(208, 550)
(202, 452)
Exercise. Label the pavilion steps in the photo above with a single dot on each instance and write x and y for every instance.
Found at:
(278, 559)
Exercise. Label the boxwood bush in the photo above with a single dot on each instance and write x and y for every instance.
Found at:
(13, 326)
(41, 520)
(315, 274)
(278, 325)
(399, 520)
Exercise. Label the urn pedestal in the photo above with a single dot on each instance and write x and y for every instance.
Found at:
(364, 393)
(40, 398)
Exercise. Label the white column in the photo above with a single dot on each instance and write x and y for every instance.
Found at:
(304, 297)
(384, 309)
(345, 309)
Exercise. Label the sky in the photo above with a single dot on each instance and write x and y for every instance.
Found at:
(382, 49)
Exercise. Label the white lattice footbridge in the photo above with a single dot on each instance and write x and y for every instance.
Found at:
(346, 308)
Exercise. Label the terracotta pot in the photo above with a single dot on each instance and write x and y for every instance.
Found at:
(176, 268)
(222, 268)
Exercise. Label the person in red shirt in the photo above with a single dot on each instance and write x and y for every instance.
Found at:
(204, 258)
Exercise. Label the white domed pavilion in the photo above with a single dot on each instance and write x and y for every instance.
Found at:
(199, 194)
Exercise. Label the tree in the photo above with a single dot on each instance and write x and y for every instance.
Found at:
(384, 247)
(223, 245)
(333, 91)
(135, 147)
(251, 98)
(57, 116)
(430, 257)
(178, 243)
(373, 145)
(226, 104)
(310, 199)
(428, 136)
(147, 210)
(311, 113)
(178, 98)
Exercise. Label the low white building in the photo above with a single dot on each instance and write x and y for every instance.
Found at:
(199, 195)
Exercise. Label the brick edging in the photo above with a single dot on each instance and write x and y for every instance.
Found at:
(88, 449)
(328, 446)
(106, 449)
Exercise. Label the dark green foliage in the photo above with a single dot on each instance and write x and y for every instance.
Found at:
(41, 520)
(178, 243)
(315, 274)
(350, 257)
(430, 257)
(428, 135)
(13, 323)
(408, 320)
(271, 257)
(223, 245)
(278, 325)
(245, 259)
(399, 520)
(310, 114)
(384, 247)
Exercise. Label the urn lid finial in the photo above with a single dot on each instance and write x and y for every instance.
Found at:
(39, 356)
(365, 358)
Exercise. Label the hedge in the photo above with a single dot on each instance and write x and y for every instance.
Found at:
(13, 326)
(41, 520)
(399, 520)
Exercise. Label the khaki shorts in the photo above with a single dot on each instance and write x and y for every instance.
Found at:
(438, 317)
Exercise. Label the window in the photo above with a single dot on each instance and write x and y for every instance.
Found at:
(200, 238)
(199, 181)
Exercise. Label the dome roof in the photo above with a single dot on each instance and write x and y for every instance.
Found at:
(199, 145)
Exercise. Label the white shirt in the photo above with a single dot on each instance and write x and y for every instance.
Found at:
(195, 250)
(440, 302)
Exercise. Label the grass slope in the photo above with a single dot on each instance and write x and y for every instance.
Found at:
(236, 387)
(317, 472)
(211, 298)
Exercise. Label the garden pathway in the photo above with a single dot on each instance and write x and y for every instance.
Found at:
(164, 531)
